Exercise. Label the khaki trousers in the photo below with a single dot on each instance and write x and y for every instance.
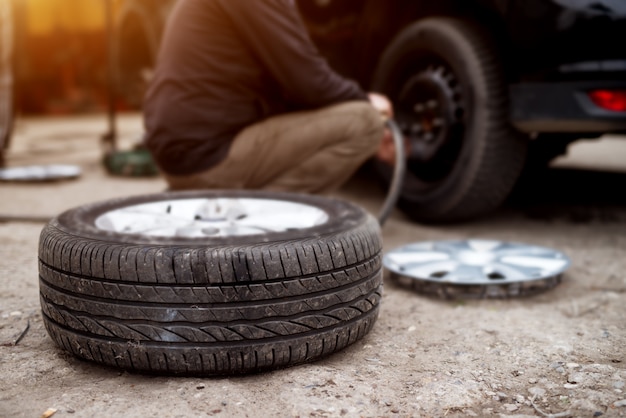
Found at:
(310, 152)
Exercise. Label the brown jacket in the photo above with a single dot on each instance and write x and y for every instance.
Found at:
(226, 64)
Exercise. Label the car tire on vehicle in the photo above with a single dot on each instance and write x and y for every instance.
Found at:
(239, 302)
(6, 77)
(447, 84)
(136, 37)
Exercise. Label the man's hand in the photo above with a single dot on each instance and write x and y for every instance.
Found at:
(387, 150)
(382, 104)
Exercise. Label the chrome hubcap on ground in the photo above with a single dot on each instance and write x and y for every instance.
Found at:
(40, 173)
(221, 217)
(477, 267)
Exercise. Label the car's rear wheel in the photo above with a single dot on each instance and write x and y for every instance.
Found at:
(446, 81)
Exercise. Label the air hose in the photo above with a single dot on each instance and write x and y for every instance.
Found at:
(399, 171)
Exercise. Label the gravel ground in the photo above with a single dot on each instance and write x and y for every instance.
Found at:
(559, 353)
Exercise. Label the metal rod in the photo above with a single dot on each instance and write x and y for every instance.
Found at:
(110, 138)
(25, 219)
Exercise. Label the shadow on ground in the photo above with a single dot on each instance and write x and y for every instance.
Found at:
(571, 195)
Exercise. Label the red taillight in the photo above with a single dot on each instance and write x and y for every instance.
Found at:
(614, 100)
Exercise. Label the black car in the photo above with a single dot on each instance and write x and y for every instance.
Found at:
(482, 88)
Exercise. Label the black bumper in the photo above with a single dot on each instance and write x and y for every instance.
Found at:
(563, 108)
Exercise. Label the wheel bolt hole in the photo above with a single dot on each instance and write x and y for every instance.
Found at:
(439, 274)
(496, 276)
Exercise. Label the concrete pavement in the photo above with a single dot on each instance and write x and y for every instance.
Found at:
(556, 353)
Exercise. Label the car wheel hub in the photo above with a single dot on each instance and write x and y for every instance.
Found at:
(429, 107)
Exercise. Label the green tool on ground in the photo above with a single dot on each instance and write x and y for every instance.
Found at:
(137, 162)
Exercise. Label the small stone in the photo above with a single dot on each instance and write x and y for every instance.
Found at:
(572, 365)
(570, 385)
(502, 395)
(532, 381)
(619, 403)
(200, 386)
(519, 399)
(558, 366)
(618, 385)
(537, 392)
(598, 414)
(16, 313)
(576, 378)
(510, 407)
(412, 328)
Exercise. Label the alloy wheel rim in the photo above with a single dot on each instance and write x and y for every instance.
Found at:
(211, 218)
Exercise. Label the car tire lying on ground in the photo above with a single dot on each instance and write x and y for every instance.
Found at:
(210, 283)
